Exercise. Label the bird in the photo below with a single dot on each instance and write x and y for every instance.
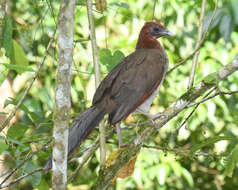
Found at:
(130, 86)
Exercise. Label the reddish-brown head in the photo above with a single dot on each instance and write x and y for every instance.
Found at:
(149, 34)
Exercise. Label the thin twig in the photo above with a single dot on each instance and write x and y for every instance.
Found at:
(20, 178)
(212, 96)
(194, 109)
(97, 75)
(86, 157)
(200, 44)
(93, 42)
(153, 14)
(105, 29)
(9, 118)
(23, 162)
(195, 58)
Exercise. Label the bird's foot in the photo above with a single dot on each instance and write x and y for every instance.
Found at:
(153, 117)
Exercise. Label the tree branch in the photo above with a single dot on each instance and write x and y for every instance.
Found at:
(20, 178)
(107, 174)
(97, 76)
(62, 95)
(22, 163)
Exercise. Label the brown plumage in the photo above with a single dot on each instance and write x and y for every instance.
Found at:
(131, 85)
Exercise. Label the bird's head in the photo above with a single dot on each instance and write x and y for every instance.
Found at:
(149, 34)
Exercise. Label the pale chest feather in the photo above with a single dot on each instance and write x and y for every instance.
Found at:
(145, 106)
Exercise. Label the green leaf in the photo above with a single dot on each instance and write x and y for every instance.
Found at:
(211, 79)
(210, 141)
(225, 27)
(18, 68)
(187, 175)
(234, 6)
(163, 172)
(17, 130)
(35, 178)
(7, 37)
(110, 61)
(231, 162)
(3, 75)
(217, 19)
(19, 57)
(120, 4)
(3, 146)
(43, 185)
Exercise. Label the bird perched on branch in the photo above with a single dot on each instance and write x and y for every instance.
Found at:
(131, 86)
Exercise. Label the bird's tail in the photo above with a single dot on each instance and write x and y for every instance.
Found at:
(80, 129)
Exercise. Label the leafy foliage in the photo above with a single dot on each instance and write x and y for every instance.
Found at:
(191, 158)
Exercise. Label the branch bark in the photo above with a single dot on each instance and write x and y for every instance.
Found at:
(62, 95)
(107, 174)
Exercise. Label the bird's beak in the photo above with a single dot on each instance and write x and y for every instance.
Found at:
(166, 33)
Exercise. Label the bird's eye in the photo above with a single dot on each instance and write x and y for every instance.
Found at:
(156, 29)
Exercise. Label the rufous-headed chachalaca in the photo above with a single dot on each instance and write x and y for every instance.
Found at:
(130, 86)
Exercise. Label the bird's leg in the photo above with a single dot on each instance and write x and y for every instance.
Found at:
(118, 127)
(152, 116)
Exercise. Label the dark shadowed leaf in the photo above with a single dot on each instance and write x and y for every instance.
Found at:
(7, 37)
(34, 179)
(17, 130)
(216, 20)
(234, 6)
(120, 4)
(109, 60)
(225, 27)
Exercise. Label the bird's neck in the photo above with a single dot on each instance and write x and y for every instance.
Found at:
(144, 43)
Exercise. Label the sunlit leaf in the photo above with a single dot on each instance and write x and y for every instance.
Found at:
(210, 141)
(20, 58)
(187, 175)
(163, 172)
(43, 185)
(231, 162)
(3, 146)
(3, 75)
(19, 68)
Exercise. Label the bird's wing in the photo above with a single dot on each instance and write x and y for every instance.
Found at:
(135, 80)
(107, 83)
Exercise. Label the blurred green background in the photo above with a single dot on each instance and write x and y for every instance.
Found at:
(170, 165)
